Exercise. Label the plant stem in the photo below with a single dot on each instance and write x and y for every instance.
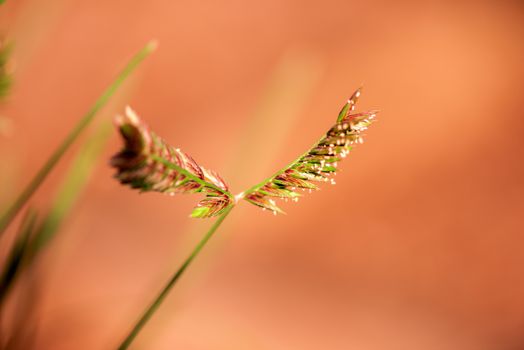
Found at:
(165, 291)
(18, 255)
(190, 175)
(33, 238)
(37, 180)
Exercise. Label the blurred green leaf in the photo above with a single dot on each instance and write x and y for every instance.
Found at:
(41, 175)
(18, 253)
(72, 186)
(31, 239)
(5, 78)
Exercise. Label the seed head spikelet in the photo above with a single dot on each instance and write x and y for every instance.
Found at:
(318, 164)
(148, 163)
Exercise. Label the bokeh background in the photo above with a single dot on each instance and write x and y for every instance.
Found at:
(419, 245)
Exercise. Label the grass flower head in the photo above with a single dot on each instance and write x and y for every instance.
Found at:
(148, 163)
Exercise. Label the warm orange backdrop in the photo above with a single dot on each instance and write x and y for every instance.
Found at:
(419, 245)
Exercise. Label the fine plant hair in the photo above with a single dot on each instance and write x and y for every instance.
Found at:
(148, 163)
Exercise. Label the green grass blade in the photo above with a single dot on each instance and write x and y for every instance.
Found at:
(31, 240)
(170, 284)
(18, 253)
(5, 78)
(72, 186)
(37, 180)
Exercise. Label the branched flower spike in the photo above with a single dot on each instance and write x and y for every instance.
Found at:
(148, 163)
(317, 164)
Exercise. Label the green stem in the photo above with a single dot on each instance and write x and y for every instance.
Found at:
(19, 254)
(37, 180)
(165, 291)
(190, 175)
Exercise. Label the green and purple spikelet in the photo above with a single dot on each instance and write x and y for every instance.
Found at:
(148, 163)
(318, 164)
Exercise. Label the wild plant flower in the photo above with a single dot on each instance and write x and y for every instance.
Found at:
(317, 164)
(148, 163)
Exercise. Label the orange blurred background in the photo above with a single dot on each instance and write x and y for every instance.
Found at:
(419, 245)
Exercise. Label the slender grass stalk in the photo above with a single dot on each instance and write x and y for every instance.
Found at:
(5, 77)
(40, 176)
(171, 283)
(32, 239)
(18, 254)
(71, 187)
